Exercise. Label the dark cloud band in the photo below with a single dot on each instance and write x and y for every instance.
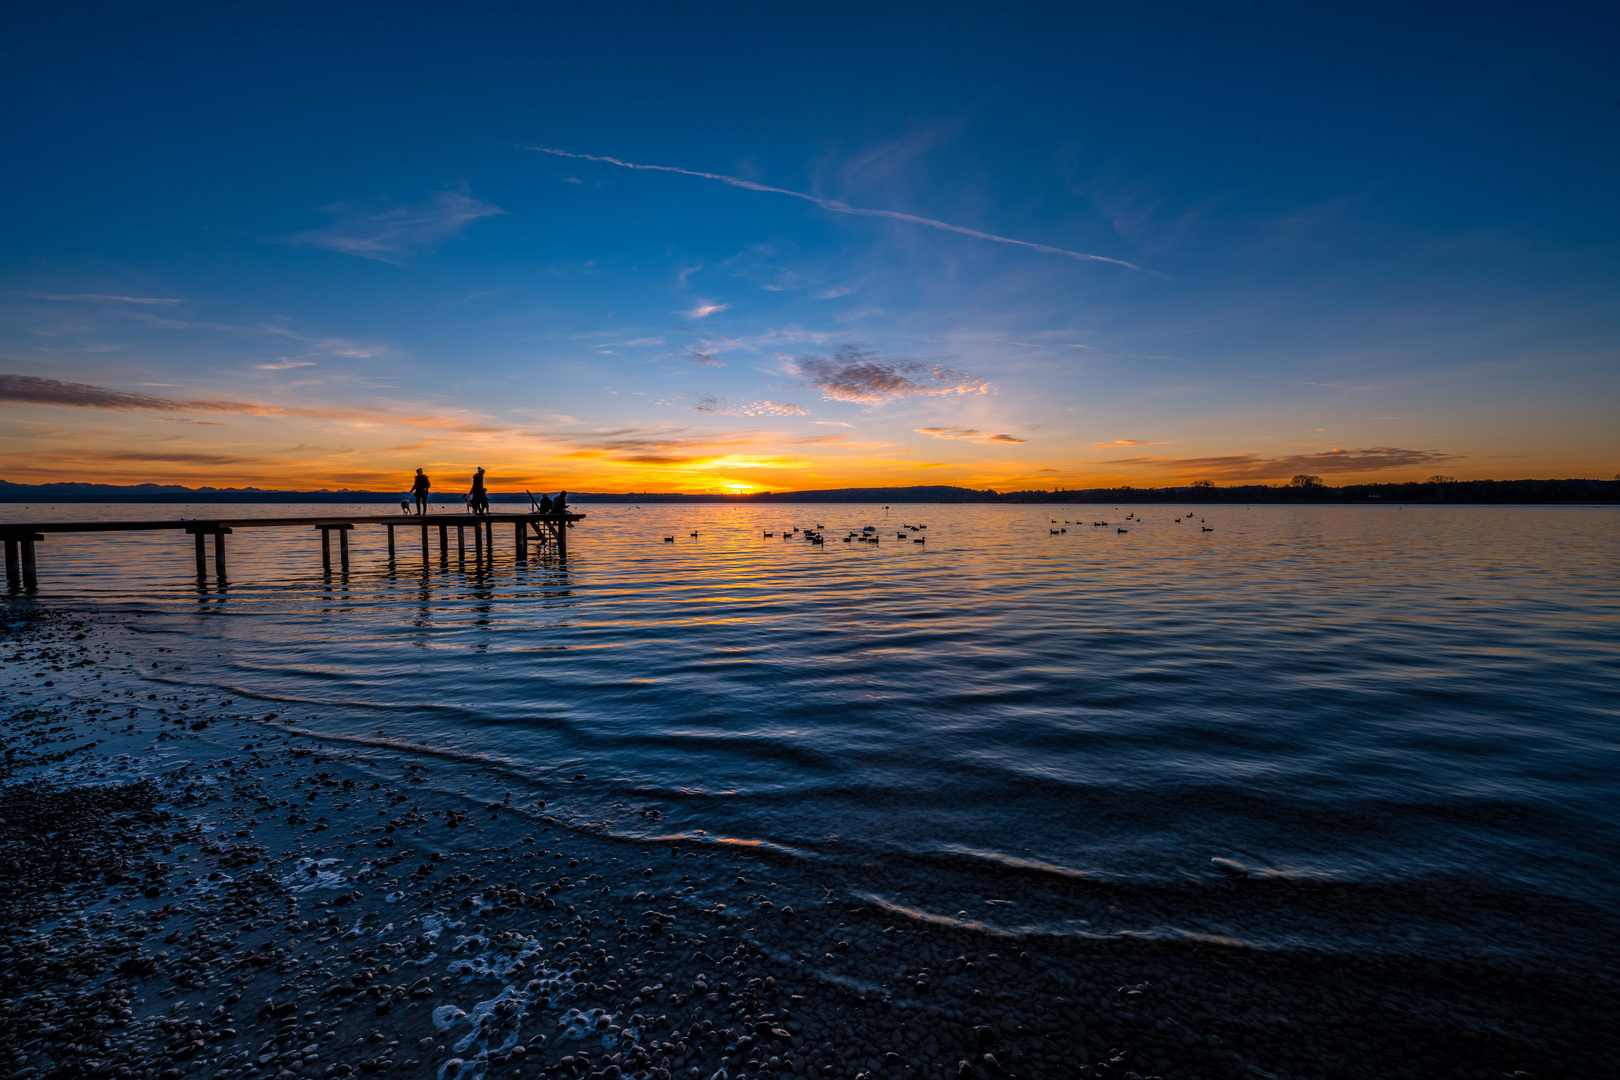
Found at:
(32, 390)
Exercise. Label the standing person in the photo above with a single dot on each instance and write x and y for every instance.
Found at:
(480, 497)
(420, 487)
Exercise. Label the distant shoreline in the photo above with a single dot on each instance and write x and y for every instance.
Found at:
(1464, 491)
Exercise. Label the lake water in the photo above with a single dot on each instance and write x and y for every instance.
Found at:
(1400, 722)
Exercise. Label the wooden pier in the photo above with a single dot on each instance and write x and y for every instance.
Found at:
(544, 530)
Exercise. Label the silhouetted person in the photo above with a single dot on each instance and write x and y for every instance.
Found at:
(545, 504)
(560, 505)
(420, 487)
(479, 500)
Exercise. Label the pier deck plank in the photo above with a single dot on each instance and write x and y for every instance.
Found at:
(412, 520)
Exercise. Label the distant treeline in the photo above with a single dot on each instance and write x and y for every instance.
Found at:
(1426, 491)
(1302, 490)
(1460, 491)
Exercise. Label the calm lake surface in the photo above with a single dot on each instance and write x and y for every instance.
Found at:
(1371, 710)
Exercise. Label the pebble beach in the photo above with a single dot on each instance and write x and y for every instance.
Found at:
(194, 887)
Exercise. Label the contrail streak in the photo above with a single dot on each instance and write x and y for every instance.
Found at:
(838, 207)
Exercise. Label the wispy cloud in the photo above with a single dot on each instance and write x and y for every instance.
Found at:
(283, 364)
(833, 423)
(170, 458)
(854, 374)
(104, 298)
(1121, 444)
(323, 346)
(394, 233)
(838, 207)
(832, 293)
(754, 408)
(700, 354)
(476, 296)
(1254, 467)
(660, 446)
(703, 311)
(969, 434)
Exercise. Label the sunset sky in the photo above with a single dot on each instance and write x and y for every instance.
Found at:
(743, 246)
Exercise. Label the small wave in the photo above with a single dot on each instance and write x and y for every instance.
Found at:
(1015, 862)
(1049, 931)
(1241, 870)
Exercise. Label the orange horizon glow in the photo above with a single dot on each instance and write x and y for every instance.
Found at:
(100, 435)
(699, 475)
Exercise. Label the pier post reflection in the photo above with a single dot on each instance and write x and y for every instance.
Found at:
(219, 555)
(13, 564)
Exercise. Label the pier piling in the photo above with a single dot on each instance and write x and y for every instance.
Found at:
(200, 531)
(343, 547)
(20, 569)
(219, 554)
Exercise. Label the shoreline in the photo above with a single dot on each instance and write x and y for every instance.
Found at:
(203, 894)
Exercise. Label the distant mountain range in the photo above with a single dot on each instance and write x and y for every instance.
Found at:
(1484, 491)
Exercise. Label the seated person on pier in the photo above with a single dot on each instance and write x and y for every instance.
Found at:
(560, 504)
(545, 504)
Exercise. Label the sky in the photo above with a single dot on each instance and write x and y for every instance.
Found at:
(739, 247)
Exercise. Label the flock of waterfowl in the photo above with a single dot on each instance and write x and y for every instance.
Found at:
(869, 533)
(1132, 518)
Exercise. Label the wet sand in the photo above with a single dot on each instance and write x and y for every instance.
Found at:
(191, 887)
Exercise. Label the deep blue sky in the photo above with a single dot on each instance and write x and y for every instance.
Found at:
(1373, 242)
